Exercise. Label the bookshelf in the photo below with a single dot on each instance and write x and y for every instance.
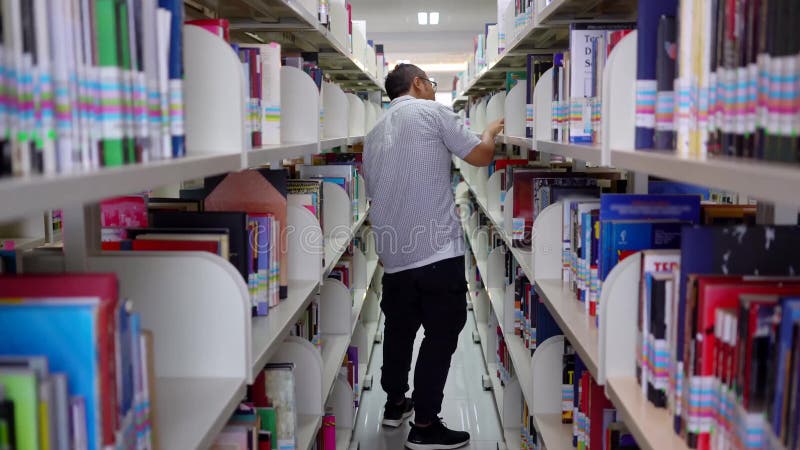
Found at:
(299, 21)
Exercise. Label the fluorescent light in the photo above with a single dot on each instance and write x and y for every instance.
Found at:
(422, 18)
(434, 18)
(443, 67)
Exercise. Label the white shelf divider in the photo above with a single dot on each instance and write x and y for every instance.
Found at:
(307, 374)
(304, 244)
(494, 188)
(214, 99)
(300, 106)
(334, 347)
(198, 307)
(573, 320)
(341, 403)
(546, 369)
(547, 237)
(515, 111)
(336, 306)
(618, 312)
(619, 106)
(268, 331)
(495, 109)
(357, 119)
(543, 107)
(336, 108)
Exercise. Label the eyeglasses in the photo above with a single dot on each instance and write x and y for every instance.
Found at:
(433, 83)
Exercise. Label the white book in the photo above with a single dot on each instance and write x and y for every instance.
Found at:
(270, 56)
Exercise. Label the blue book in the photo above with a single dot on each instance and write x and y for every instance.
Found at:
(735, 250)
(66, 333)
(622, 238)
(790, 316)
(649, 13)
(176, 75)
(264, 230)
(546, 326)
(645, 208)
(677, 188)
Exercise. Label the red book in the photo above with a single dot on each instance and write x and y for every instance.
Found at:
(598, 404)
(349, 19)
(220, 27)
(706, 295)
(258, 391)
(102, 286)
(158, 245)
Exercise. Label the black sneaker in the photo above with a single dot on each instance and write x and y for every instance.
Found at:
(435, 436)
(394, 415)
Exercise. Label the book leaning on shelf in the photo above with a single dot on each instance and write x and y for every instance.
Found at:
(76, 367)
(267, 419)
(91, 84)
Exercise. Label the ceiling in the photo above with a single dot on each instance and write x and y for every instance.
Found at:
(394, 24)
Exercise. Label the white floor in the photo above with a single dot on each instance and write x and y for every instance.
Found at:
(466, 405)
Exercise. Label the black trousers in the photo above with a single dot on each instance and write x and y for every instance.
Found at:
(432, 296)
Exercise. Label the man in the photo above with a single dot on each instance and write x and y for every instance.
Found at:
(407, 158)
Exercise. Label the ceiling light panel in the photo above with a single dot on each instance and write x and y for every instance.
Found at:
(434, 18)
(422, 18)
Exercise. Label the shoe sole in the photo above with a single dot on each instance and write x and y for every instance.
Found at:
(394, 423)
(413, 446)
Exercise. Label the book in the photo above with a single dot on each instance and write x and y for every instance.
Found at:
(582, 76)
(279, 380)
(55, 288)
(34, 326)
(742, 250)
(648, 38)
(20, 387)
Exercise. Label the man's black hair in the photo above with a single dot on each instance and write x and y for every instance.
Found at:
(399, 80)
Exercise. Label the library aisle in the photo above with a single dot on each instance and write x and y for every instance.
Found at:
(467, 406)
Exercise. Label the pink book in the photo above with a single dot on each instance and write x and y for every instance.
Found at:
(329, 432)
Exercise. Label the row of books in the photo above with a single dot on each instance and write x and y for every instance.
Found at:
(595, 421)
(528, 436)
(307, 326)
(512, 17)
(76, 366)
(719, 336)
(717, 78)
(349, 370)
(505, 369)
(267, 418)
(90, 84)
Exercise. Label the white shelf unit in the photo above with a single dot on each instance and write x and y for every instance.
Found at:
(547, 30)
(607, 348)
(215, 137)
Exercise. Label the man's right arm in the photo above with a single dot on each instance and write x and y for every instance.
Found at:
(483, 153)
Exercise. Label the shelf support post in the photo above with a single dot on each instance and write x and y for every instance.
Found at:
(639, 185)
(772, 214)
(81, 235)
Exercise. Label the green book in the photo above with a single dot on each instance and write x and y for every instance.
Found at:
(269, 423)
(20, 386)
(109, 57)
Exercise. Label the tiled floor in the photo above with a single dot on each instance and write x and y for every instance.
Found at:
(466, 405)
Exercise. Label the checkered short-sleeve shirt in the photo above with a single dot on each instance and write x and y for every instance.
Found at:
(406, 167)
